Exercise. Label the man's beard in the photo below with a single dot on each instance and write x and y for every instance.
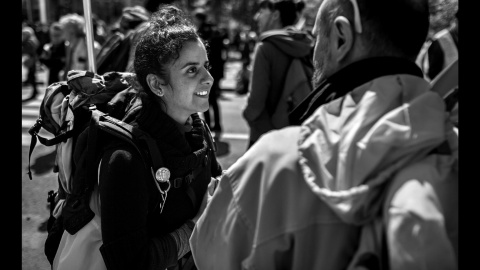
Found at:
(320, 64)
(317, 78)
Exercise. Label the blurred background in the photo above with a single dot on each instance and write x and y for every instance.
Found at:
(234, 16)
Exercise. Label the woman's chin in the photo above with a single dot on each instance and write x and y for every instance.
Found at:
(204, 107)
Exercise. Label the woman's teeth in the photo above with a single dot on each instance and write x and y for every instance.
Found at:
(203, 93)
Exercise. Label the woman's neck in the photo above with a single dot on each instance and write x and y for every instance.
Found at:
(179, 118)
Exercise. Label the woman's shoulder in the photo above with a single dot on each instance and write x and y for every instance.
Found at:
(120, 153)
(120, 164)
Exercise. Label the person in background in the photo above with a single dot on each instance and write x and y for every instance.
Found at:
(30, 45)
(271, 60)
(116, 52)
(54, 53)
(99, 29)
(247, 44)
(42, 34)
(73, 26)
(367, 178)
(300, 24)
(150, 6)
(134, 232)
(210, 33)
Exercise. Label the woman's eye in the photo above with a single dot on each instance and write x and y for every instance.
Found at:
(208, 66)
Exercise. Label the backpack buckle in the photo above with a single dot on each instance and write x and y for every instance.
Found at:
(36, 127)
(177, 182)
(188, 179)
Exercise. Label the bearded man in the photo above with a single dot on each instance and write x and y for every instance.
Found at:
(366, 180)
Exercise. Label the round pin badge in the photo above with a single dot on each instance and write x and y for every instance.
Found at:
(162, 175)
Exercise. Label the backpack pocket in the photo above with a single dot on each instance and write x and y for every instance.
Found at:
(76, 213)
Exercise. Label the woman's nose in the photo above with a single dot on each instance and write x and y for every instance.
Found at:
(208, 79)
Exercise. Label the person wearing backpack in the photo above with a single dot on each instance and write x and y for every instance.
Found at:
(367, 175)
(115, 52)
(130, 229)
(280, 43)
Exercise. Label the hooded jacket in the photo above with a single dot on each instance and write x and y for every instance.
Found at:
(271, 61)
(322, 195)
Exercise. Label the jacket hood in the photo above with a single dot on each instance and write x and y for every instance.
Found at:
(293, 42)
(350, 148)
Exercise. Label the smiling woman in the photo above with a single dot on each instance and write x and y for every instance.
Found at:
(136, 232)
(188, 85)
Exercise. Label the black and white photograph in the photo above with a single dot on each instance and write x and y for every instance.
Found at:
(240, 134)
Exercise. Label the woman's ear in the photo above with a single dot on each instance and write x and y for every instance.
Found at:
(342, 38)
(156, 84)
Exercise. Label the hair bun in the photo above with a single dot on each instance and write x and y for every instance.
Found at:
(168, 16)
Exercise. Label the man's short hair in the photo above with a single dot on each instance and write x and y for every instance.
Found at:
(395, 27)
(266, 4)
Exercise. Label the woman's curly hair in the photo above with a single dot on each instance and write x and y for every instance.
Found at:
(168, 30)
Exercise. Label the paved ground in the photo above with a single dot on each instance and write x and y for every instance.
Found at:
(231, 145)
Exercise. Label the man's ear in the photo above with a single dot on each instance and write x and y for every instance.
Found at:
(156, 84)
(275, 17)
(342, 37)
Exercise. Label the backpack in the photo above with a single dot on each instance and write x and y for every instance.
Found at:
(446, 85)
(296, 87)
(83, 115)
(449, 52)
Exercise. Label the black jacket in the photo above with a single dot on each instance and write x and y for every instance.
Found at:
(135, 235)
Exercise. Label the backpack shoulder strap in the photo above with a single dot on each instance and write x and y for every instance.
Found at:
(141, 141)
(276, 96)
(446, 80)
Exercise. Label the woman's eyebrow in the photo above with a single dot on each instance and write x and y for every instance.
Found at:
(191, 64)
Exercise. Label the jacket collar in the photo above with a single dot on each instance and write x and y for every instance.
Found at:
(347, 79)
(182, 150)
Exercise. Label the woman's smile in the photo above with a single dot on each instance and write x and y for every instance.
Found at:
(202, 94)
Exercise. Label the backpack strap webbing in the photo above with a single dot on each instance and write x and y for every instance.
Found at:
(33, 131)
(91, 153)
(446, 80)
(277, 95)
